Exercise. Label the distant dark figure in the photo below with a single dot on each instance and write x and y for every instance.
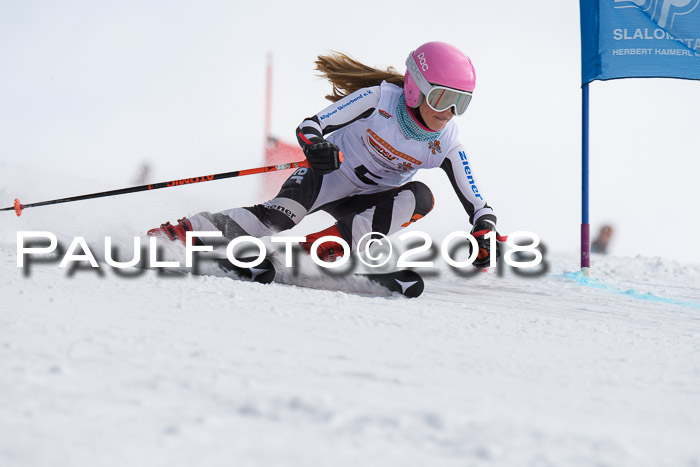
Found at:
(143, 175)
(601, 243)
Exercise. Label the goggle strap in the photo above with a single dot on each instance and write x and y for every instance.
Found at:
(417, 76)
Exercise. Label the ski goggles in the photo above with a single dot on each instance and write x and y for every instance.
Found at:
(439, 98)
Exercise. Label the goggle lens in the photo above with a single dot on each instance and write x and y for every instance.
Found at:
(441, 98)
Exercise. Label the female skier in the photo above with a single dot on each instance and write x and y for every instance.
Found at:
(387, 126)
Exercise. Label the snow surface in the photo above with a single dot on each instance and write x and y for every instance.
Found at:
(97, 369)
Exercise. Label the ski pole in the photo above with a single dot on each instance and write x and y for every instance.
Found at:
(18, 207)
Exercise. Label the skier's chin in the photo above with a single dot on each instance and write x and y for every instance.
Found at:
(438, 125)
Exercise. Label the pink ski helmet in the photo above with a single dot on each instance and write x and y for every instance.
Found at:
(442, 73)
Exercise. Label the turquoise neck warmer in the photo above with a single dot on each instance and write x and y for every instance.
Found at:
(409, 126)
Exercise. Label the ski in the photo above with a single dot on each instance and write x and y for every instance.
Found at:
(406, 282)
(264, 273)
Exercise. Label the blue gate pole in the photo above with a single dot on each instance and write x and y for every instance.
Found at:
(585, 226)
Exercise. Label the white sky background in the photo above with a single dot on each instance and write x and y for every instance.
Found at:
(96, 88)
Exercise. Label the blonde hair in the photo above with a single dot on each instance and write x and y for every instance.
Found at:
(347, 75)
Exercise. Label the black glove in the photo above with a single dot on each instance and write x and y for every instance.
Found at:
(483, 258)
(323, 157)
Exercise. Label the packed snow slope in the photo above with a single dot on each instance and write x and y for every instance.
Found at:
(145, 369)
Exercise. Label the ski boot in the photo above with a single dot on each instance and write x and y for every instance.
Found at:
(174, 232)
(328, 251)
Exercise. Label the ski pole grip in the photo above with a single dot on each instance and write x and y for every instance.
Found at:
(305, 162)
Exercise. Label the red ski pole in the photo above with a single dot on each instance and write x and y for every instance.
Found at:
(18, 207)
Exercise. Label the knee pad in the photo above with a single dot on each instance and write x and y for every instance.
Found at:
(424, 197)
(424, 201)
